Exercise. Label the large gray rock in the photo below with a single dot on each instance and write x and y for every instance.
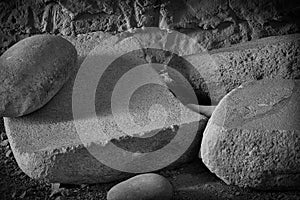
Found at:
(220, 71)
(53, 131)
(215, 73)
(253, 136)
(32, 72)
(47, 145)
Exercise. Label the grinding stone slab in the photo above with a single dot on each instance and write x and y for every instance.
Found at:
(47, 146)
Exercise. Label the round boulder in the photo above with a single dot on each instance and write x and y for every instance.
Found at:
(32, 71)
(142, 187)
(253, 136)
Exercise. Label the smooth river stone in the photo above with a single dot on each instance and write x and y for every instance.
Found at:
(142, 187)
(32, 71)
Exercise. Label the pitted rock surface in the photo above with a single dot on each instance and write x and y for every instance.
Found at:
(51, 138)
(252, 138)
(224, 69)
(46, 145)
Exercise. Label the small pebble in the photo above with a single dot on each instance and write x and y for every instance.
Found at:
(8, 153)
(142, 187)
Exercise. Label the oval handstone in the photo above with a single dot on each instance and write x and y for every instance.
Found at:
(32, 71)
(253, 137)
(142, 187)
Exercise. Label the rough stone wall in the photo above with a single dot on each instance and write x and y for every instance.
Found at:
(215, 23)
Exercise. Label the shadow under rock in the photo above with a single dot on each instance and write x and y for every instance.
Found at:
(2, 129)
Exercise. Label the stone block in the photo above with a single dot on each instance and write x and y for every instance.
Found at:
(220, 71)
(252, 139)
(47, 145)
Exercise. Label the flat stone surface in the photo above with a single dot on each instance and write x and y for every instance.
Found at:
(32, 72)
(225, 69)
(47, 146)
(252, 138)
(142, 187)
